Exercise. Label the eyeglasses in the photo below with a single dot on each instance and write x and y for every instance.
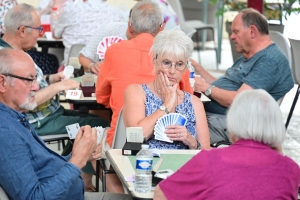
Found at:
(166, 64)
(30, 80)
(40, 29)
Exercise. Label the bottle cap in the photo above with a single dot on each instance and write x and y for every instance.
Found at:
(145, 146)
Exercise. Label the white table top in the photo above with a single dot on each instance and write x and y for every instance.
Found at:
(123, 167)
(203, 98)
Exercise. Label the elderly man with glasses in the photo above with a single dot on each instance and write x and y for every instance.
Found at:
(28, 169)
(23, 27)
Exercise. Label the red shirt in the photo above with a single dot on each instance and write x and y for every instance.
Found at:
(127, 62)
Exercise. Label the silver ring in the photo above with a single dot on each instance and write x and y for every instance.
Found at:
(180, 135)
(170, 85)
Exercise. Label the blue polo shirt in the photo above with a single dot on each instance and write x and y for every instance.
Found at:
(28, 169)
(268, 69)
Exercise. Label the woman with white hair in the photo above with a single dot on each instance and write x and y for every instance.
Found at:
(251, 168)
(145, 104)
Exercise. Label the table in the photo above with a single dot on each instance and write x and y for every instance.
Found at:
(123, 168)
(45, 44)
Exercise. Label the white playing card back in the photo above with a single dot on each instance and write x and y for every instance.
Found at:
(166, 120)
(73, 130)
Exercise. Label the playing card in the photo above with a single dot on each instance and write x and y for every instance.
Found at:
(181, 120)
(105, 43)
(100, 132)
(73, 130)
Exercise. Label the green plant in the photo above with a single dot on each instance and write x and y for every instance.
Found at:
(271, 10)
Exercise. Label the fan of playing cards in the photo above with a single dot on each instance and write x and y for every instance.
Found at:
(105, 43)
(166, 120)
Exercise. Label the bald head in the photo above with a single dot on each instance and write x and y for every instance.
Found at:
(12, 60)
(20, 15)
(18, 83)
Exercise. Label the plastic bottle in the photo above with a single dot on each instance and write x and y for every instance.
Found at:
(54, 17)
(143, 175)
(192, 75)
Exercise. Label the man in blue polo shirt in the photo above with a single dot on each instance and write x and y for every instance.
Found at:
(262, 66)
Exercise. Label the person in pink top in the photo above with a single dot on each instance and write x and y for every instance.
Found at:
(253, 167)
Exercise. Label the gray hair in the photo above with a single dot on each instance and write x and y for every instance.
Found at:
(253, 17)
(146, 17)
(20, 15)
(255, 115)
(172, 42)
(6, 62)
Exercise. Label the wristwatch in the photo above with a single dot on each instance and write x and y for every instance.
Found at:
(164, 108)
(208, 91)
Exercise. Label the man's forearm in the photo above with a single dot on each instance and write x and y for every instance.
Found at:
(47, 93)
(223, 97)
(85, 62)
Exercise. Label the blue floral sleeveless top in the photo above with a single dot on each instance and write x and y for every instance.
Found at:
(153, 103)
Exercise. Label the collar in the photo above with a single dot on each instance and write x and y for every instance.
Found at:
(12, 112)
(251, 143)
(4, 44)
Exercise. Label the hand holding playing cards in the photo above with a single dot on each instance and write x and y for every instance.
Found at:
(97, 153)
(84, 145)
(95, 68)
(180, 133)
(167, 91)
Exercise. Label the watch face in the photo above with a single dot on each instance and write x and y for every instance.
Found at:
(162, 108)
(207, 92)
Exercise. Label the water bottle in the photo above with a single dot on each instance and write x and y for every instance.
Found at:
(192, 75)
(53, 17)
(143, 176)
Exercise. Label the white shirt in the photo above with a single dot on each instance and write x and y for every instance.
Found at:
(79, 21)
(112, 29)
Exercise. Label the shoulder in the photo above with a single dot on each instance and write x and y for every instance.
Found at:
(133, 88)
(197, 103)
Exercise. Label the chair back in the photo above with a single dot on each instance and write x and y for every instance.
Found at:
(176, 5)
(120, 133)
(295, 46)
(3, 195)
(285, 46)
(73, 55)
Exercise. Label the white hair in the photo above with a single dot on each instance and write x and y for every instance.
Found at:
(255, 115)
(20, 16)
(172, 42)
(146, 17)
